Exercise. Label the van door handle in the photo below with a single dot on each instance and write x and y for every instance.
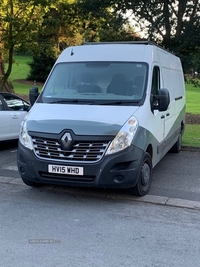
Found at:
(163, 116)
(167, 114)
(15, 116)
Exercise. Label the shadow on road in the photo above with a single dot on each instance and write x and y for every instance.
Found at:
(4, 145)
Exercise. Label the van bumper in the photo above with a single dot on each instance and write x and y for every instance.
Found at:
(119, 170)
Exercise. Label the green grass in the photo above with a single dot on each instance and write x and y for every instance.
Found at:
(20, 70)
(192, 99)
(191, 136)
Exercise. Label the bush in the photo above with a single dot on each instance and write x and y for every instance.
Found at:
(194, 81)
(40, 67)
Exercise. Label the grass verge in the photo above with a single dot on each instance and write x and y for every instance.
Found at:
(191, 135)
(192, 99)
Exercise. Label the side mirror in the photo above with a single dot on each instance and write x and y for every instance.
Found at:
(161, 101)
(26, 107)
(33, 95)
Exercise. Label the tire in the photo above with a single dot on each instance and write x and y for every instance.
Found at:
(31, 183)
(177, 146)
(145, 177)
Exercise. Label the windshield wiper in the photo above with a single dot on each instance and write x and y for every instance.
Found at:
(95, 102)
(65, 101)
(119, 102)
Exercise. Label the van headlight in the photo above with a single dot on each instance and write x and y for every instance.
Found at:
(124, 137)
(24, 137)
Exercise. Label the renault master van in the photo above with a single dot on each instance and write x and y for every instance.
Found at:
(107, 114)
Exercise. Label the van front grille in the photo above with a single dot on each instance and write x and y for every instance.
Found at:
(79, 151)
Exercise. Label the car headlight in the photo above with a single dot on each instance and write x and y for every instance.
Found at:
(24, 137)
(124, 137)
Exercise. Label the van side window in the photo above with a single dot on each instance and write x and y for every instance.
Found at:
(155, 86)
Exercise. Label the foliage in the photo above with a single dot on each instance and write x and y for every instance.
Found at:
(101, 23)
(70, 23)
(57, 30)
(168, 21)
(18, 19)
(173, 24)
(194, 81)
(32, 26)
(40, 67)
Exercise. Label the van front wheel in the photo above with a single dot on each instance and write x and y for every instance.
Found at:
(145, 178)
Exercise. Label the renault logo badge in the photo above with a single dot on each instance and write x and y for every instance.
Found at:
(66, 139)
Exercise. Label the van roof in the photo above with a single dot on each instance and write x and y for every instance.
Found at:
(148, 42)
(137, 51)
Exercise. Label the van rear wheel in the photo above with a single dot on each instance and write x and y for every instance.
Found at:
(145, 177)
(177, 146)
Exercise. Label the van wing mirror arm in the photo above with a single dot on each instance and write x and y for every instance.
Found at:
(33, 95)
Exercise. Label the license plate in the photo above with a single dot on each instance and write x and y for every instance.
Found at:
(73, 170)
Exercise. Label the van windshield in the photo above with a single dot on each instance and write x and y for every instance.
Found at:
(96, 83)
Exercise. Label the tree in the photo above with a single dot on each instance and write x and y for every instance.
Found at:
(174, 24)
(18, 20)
(164, 20)
(69, 23)
(59, 29)
(4, 84)
(100, 22)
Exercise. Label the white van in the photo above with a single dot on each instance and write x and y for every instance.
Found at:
(106, 116)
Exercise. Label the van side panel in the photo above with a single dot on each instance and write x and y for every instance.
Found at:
(160, 130)
(173, 80)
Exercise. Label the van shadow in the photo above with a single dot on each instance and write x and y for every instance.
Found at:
(11, 144)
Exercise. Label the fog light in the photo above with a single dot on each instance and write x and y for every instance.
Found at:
(22, 170)
(118, 179)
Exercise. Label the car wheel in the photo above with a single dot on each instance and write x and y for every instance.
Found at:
(145, 177)
(31, 183)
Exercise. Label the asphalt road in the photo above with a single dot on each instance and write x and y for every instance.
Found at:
(62, 227)
(50, 228)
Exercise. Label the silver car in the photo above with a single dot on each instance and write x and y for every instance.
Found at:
(12, 111)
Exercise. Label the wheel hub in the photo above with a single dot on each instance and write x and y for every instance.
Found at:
(145, 174)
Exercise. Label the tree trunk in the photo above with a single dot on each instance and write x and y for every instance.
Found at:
(182, 4)
(4, 84)
(166, 13)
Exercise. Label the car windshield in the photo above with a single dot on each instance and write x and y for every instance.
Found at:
(96, 83)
